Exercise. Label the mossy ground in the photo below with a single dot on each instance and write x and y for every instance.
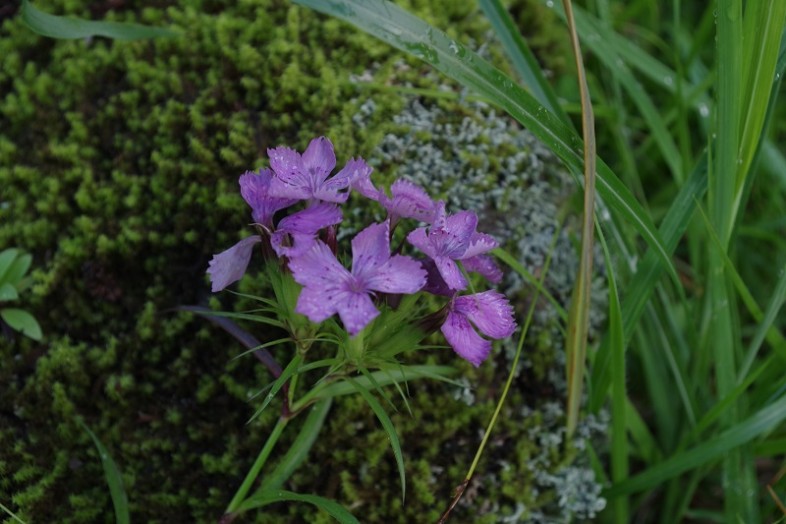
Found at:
(118, 171)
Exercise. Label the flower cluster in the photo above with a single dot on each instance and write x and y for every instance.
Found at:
(306, 242)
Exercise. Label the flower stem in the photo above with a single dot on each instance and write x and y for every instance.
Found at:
(253, 473)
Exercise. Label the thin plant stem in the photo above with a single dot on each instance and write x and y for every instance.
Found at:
(530, 313)
(257, 467)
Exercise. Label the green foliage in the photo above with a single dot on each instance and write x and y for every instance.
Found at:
(13, 269)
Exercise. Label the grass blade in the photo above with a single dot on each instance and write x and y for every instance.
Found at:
(332, 508)
(520, 55)
(113, 478)
(72, 28)
(710, 450)
(387, 425)
(291, 369)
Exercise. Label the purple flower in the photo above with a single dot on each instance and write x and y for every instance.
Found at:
(296, 233)
(305, 177)
(407, 200)
(490, 312)
(329, 288)
(452, 238)
(255, 188)
(230, 266)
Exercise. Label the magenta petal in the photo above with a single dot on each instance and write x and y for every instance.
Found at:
(451, 273)
(286, 164)
(484, 265)
(361, 183)
(314, 304)
(409, 201)
(435, 284)
(490, 311)
(356, 311)
(464, 340)
(400, 274)
(255, 188)
(419, 239)
(480, 243)
(312, 219)
(230, 266)
(461, 227)
(319, 158)
(297, 189)
(318, 268)
(356, 169)
(370, 249)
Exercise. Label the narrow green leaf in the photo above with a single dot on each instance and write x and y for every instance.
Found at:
(334, 509)
(522, 58)
(299, 449)
(710, 450)
(113, 478)
(340, 388)
(22, 321)
(387, 424)
(776, 303)
(7, 257)
(71, 28)
(290, 370)
(11, 514)
(393, 25)
(8, 292)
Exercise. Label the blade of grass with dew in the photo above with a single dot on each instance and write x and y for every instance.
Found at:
(72, 28)
(713, 449)
(332, 508)
(521, 57)
(387, 425)
(393, 25)
(113, 478)
(619, 397)
(299, 449)
(578, 315)
(648, 273)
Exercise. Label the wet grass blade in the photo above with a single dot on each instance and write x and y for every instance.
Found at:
(71, 28)
(521, 57)
(387, 425)
(113, 478)
(391, 24)
(332, 508)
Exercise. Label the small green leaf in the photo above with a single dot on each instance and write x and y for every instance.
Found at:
(22, 321)
(71, 28)
(11, 514)
(334, 509)
(7, 258)
(387, 424)
(113, 479)
(18, 269)
(8, 292)
(291, 369)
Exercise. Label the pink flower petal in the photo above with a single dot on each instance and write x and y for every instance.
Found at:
(479, 243)
(229, 266)
(409, 201)
(451, 273)
(484, 265)
(370, 249)
(356, 311)
(312, 303)
(255, 188)
(400, 274)
(419, 239)
(490, 311)
(319, 159)
(464, 340)
(318, 268)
